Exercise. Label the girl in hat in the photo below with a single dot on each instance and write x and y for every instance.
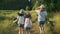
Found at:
(42, 16)
(20, 19)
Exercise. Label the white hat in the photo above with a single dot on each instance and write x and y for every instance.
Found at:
(42, 6)
(21, 11)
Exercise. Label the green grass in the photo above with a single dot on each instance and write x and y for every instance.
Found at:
(7, 27)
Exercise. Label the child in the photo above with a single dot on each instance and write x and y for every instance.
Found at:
(42, 16)
(28, 23)
(20, 19)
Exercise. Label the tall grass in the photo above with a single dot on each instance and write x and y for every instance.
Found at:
(7, 27)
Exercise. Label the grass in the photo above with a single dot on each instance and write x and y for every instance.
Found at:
(7, 27)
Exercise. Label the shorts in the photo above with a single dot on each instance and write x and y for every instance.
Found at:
(21, 25)
(41, 23)
(27, 29)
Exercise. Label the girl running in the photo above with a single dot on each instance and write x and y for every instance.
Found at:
(20, 19)
(42, 16)
(28, 23)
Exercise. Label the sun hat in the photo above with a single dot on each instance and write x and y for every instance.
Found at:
(41, 6)
(21, 11)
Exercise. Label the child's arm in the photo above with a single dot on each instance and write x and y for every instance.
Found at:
(37, 10)
(31, 22)
(47, 18)
(15, 20)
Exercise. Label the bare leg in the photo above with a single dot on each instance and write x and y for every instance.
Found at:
(21, 30)
(27, 32)
(41, 29)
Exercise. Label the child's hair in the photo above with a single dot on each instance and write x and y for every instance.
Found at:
(28, 15)
(20, 14)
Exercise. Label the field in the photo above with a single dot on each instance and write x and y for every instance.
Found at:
(7, 26)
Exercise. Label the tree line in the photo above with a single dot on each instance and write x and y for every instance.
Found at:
(51, 5)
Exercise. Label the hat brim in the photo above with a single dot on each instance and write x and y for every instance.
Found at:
(21, 13)
(40, 7)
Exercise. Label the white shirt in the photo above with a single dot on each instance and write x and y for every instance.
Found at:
(27, 22)
(20, 19)
(41, 15)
